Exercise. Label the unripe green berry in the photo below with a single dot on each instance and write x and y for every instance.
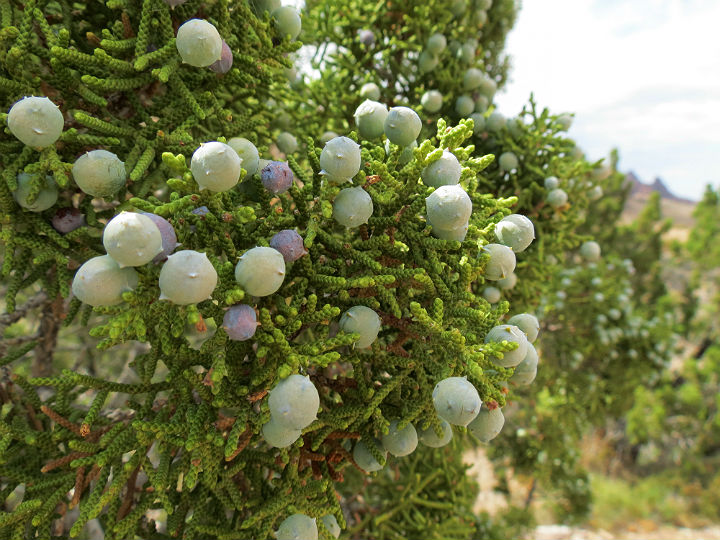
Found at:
(478, 122)
(436, 43)
(260, 271)
(492, 294)
(248, 153)
(526, 371)
(515, 231)
(590, 251)
(508, 282)
(464, 106)
(502, 261)
(352, 207)
(47, 196)
(512, 334)
(429, 438)
(551, 182)
(508, 161)
(557, 198)
(294, 402)
(364, 459)
(132, 239)
(340, 159)
(101, 282)
(287, 21)
(216, 166)
(298, 527)
(488, 424)
(431, 101)
(361, 320)
(199, 43)
(36, 121)
(448, 207)
(400, 442)
(445, 171)
(279, 435)
(427, 62)
(99, 173)
(370, 91)
(456, 400)
(472, 79)
(287, 143)
(370, 119)
(528, 323)
(402, 125)
(187, 277)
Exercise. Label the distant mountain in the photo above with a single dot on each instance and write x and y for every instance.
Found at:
(673, 207)
(641, 189)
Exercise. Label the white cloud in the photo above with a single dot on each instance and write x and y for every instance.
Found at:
(642, 76)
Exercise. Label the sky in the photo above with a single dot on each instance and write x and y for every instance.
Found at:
(642, 76)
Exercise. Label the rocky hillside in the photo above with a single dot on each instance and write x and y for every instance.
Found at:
(674, 207)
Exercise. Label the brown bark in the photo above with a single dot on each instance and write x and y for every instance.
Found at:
(50, 321)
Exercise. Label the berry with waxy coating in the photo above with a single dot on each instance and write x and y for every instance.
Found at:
(400, 442)
(167, 234)
(331, 524)
(557, 198)
(187, 277)
(595, 193)
(325, 137)
(448, 207)
(551, 182)
(565, 121)
(405, 155)
(528, 323)
(370, 119)
(402, 125)
(225, 62)
(240, 322)
(340, 159)
(511, 334)
(481, 105)
(427, 62)
(457, 234)
(352, 207)
(294, 402)
(278, 435)
(287, 143)
(370, 91)
(431, 101)
(515, 231)
(526, 371)
(132, 239)
(442, 172)
(289, 243)
(248, 153)
(101, 282)
(429, 438)
(99, 173)
(456, 400)
(366, 37)
(216, 166)
(436, 43)
(502, 261)
(472, 78)
(364, 459)
(46, 197)
(590, 251)
(478, 122)
(508, 161)
(276, 177)
(298, 527)
(508, 282)
(492, 294)
(66, 220)
(495, 122)
(488, 87)
(260, 271)
(361, 320)
(199, 43)
(488, 424)
(287, 21)
(36, 121)
(464, 106)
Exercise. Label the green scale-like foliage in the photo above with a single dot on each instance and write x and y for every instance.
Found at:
(114, 71)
